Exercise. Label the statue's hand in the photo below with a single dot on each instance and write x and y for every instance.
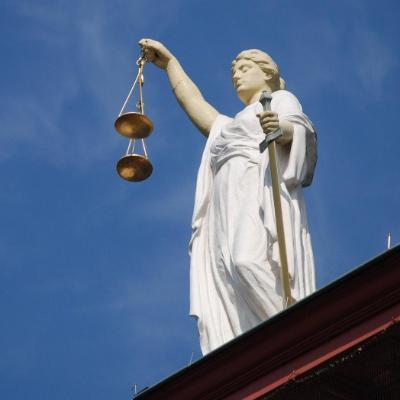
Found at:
(156, 52)
(269, 121)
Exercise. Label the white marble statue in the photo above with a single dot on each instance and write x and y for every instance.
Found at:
(234, 277)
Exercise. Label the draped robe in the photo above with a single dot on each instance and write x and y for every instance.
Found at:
(234, 276)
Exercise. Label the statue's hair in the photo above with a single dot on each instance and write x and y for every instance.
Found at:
(264, 61)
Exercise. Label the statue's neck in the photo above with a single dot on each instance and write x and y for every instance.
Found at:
(256, 96)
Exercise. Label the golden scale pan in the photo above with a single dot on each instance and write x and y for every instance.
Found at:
(134, 125)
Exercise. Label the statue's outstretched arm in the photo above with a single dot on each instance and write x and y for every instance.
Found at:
(186, 92)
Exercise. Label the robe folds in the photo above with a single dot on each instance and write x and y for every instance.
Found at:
(234, 273)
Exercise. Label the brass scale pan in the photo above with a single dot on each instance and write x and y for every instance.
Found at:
(134, 167)
(134, 125)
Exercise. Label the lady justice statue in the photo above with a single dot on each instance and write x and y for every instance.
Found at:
(234, 279)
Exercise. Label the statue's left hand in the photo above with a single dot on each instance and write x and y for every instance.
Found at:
(269, 121)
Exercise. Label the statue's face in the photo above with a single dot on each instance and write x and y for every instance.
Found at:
(248, 79)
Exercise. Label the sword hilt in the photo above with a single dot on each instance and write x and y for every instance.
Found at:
(265, 100)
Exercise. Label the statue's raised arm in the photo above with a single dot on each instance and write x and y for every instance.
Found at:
(186, 92)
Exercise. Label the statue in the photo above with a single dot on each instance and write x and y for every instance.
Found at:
(235, 280)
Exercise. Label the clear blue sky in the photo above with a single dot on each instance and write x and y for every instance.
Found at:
(94, 270)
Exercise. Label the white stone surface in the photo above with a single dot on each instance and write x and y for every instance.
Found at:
(235, 279)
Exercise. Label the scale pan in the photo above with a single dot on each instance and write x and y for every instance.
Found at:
(134, 168)
(133, 125)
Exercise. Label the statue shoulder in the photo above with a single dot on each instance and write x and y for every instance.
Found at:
(285, 102)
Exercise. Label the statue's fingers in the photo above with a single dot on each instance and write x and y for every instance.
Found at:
(149, 44)
(265, 114)
(145, 43)
(272, 126)
(149, 54)
(267, 119)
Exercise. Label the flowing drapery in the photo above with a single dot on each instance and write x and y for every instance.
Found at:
(234, 278)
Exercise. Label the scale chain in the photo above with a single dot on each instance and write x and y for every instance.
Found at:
(131, 144)
(139, 77)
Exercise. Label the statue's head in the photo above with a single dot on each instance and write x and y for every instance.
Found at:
(254, 70)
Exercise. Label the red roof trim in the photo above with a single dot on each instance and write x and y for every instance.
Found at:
(318, 355)
(330, 321)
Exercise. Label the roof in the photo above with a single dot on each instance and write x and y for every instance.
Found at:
(369, 370)
(317, 329)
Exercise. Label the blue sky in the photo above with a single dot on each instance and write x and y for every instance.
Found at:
(94, 270)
